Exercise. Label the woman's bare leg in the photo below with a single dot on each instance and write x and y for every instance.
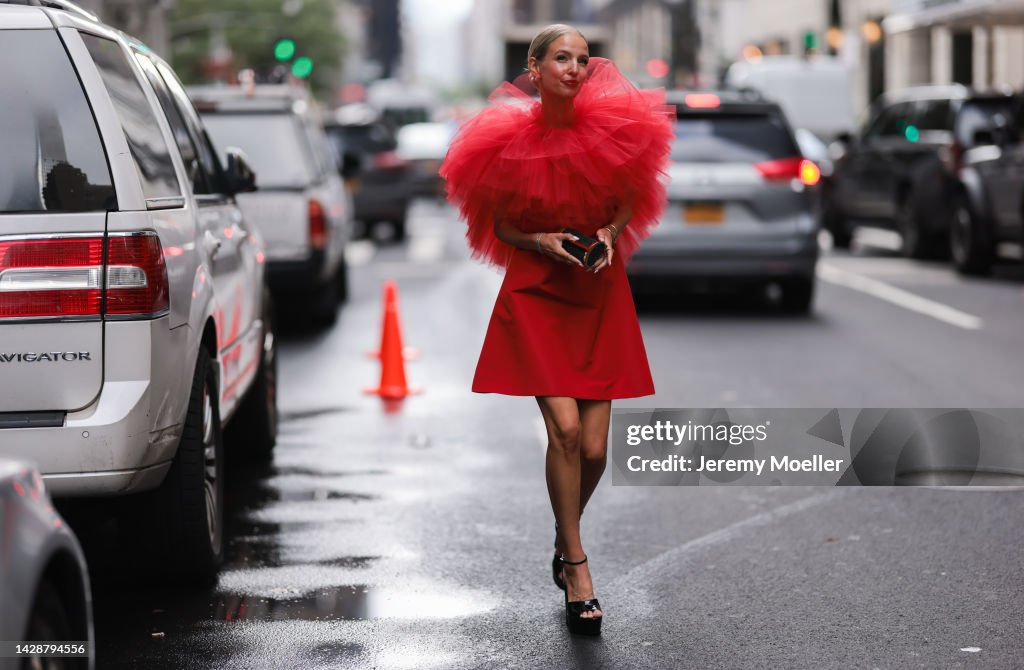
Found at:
(594, 418)
(563, 472)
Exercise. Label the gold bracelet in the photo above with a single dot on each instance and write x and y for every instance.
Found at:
(614, 231)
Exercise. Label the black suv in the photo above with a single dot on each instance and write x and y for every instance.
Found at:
(900, 171)
(989, 205)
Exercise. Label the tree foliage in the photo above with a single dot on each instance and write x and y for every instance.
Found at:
(251, 28)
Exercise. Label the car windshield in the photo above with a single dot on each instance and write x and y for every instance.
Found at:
(274, 144)
(52, 157)
(978, 115)
(721, 138)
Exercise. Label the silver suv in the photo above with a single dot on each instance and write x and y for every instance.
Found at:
(302, 208)
(133, 315)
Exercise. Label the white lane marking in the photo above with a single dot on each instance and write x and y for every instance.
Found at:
(359, 252)
(426, 249)
(898, 297)
(652, 572)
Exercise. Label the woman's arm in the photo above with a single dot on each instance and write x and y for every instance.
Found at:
(610, 232)
(548, 244)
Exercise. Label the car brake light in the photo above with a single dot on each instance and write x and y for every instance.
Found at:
(136, 276)
(810, 173)
(388, 160)
(784, 169)
(64, 277)
(317, 225)
(702, 101)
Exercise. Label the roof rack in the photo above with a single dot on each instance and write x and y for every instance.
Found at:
(55, 4)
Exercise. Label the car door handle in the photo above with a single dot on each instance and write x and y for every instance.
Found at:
(211, 244)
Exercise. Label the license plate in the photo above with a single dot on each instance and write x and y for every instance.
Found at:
(703, 214)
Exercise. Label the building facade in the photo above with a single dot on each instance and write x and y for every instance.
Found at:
(979, 43)
(498, 33)
(147, 20)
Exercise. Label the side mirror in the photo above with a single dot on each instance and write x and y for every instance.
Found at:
(350, 165)
(240, 177)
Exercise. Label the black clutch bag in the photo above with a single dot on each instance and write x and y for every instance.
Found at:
(586, 249)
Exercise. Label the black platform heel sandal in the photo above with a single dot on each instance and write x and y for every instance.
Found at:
(556, 565)
(578, 624)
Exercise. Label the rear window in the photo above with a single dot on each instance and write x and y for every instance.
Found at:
(52, 158)
(275, 145)
(721, 138)
(369, 139)
(978, 115)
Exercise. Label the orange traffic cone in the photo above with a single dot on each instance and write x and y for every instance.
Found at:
(393, 385)
(391, 309)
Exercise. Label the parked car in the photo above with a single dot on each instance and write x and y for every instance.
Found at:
(301, 209)
(989, 203)
(44, 583)
(423, 146)
(740, 206)
(377, 177)
(900, 171)
(134, 320)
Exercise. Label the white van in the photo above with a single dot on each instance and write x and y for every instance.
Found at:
(816, 93)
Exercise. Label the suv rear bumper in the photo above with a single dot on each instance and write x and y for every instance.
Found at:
(792, 257)
(292, 276)
(123, 442)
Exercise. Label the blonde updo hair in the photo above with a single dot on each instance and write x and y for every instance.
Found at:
(540, 44)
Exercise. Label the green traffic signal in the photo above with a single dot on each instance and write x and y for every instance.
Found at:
(302, 67)
(284, 50)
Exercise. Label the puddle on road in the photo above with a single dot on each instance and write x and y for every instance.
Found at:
(350, 602)
(317, 472)
(321, 494)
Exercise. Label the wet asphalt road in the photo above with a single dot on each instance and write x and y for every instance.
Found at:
(420, 538)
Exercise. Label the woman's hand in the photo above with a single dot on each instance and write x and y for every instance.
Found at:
(550, 245)
(605, 235)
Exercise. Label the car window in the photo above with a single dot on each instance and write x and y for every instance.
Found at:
(934, 115)
(896, 120)
(189, 155)
(207, 156)
(146, 142)
(52, 157)
(370, 139)
(722, 138)
(273, 143)
(978, 115)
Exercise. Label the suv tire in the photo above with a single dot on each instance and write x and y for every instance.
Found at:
(970, 239)
(181, 523)
(252, 432)
(324, 304)
(341, 281)
(916, 242)
(797, 295)
(835, 222)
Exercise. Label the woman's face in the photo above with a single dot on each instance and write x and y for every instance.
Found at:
(564, 68)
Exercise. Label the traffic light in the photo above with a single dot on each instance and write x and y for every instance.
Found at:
(302, 67)
(284, 49)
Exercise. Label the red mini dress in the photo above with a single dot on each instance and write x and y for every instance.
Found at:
(556, 329)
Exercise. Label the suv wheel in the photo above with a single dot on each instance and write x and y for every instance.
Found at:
(324, 304)
(797, 295)
(47, 621)
(916, 242)
(341, 281)
(970, 240)
(181, 523)
(252, 433)
(833, 220)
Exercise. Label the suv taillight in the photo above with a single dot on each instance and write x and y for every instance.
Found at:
(317, 225)
(136, 276)
(389, 160)
(784, 169)
(65, 278)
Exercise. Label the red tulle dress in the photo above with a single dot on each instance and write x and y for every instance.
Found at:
(558, 330)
